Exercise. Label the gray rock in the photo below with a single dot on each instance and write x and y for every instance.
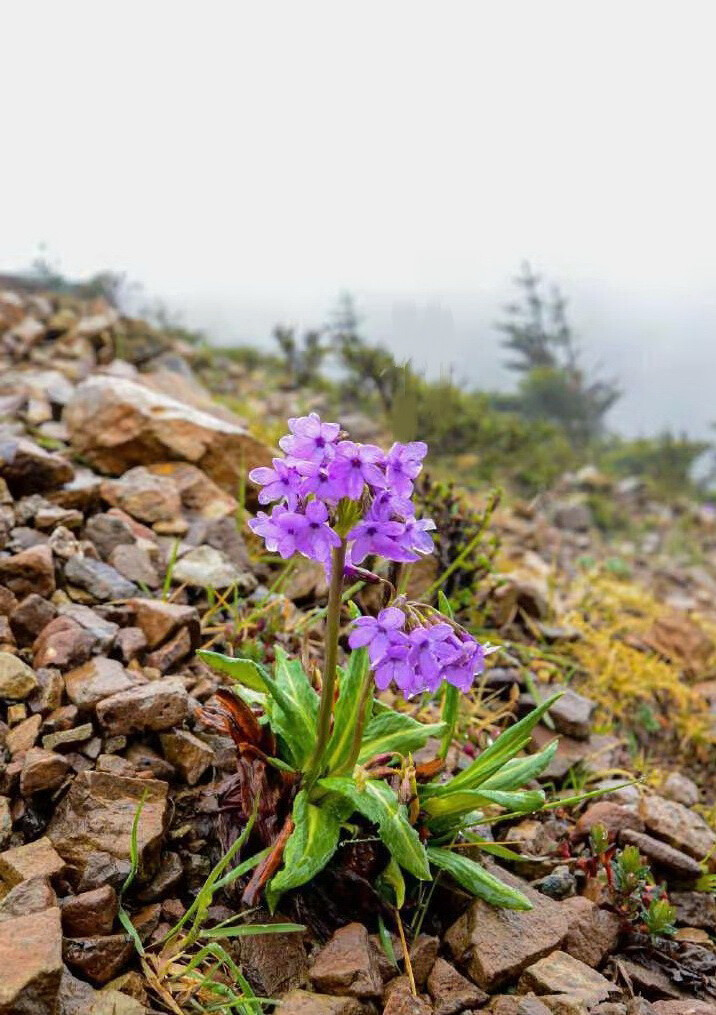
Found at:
(101, 580)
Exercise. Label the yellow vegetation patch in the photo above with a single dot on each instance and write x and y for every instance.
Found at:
(620, 677)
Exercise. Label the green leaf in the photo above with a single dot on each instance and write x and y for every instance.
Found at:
(393, 731)
(506, 746)
(518, 771)
(310, 846)
(462, 801)
(246, 671)
(476, 880)
(294, 709)
(251, 930)
(377, 802)
(392, 879)
(350, 709)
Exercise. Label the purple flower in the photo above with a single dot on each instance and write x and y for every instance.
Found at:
(281, 481)
(403, 463)
(382, 538)
(386, 505)
(266, 526)
(467, 663)
(283, 531)
(415, 535)
(394, 668)
(379, 633)
(316, 538)
(354, 466)
(316, 480)
(310, 439)
(431, 649)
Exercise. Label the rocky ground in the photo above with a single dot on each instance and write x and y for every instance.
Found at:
(121, 552)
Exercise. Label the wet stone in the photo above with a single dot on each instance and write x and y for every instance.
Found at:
(155, 706)
(31, 615)
(92, 825)
(96, 680)
(189, 755)
(347, 965)
(451, 992)
(62, 643)
(32, 896)
(33, 860)
(42, 770)
(495, 945)
(661, 854)
(680, 827)
(89, 913)
(98, 959)
(29, 571)
(17, 680)
(100, 580)
(560, 973)
(31, 963)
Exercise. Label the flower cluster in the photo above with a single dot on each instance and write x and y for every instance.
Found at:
(320, 472)
(417, 656)
(330, 489)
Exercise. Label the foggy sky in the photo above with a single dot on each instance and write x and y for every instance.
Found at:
(247, 162)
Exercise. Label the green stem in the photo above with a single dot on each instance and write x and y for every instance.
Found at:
(333, 623)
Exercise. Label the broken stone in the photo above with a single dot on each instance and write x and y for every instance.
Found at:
(116, 423)
(143, 495)
(98, 959)
(159, 620)
(100, 580)
(680, 827)
(508, 1004)
(572, 713)
(560, 973)
(189, 755)
(37, 859)
(31, 963)
(165, 880)
(168, 655)
(92, 825)
(423, 952)
(681, 640)
(42, 770)
(130, 642)
(593, 933)
(400, 1000)
(695, 909)
(347, 965)
(691, 1007)
(31, 896)
(23, 736)
(134, 564)
(304, 1002)
(89, 913)
(199, 495)
(102, 630)
(495, 945)
(661, 854)
(156, 706)
(5, 822)
(17, 680)
(107, 532)
(96, 680)
(28, 468)
(594, 754)
(31, 570)
(680, 788)
(615, 818)
(206, 567)
(63, 643)
(30, 617)
(68, 738)
(274, 963)
(451, 992)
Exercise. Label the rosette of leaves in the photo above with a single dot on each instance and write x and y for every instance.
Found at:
(366, 777)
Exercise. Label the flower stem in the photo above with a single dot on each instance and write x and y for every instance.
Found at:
(333, 622)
